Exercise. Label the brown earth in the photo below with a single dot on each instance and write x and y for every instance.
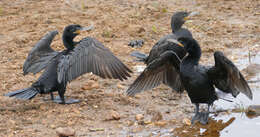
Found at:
(104, 109)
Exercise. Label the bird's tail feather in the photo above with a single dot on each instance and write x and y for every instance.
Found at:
(140, 56)
(26, 94)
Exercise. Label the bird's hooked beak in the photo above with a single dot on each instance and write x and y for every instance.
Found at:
(176, 42)
(82, 29)
(191, 14)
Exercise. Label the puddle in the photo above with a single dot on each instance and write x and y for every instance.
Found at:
(139, 68)
(242, 126)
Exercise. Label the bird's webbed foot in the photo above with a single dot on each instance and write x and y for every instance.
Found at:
(48, 99)
(60, 100)
(196, 117)
(204, 118)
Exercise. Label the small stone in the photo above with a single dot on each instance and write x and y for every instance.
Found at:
(52, 126)
(147, 122)
(253, 111)
(139, 117)
(186, 121)
(141, 29)
(130, 123)
(91, 85)
(87, 87)
(115, 115)
(137, 96)
(120, 86)
(160, 123)
(96, 129)
(95, 85)
(65, 132)
(157, 116)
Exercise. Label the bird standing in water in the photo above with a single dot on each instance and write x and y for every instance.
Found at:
(166, 73)
(200, 81)
(87, 55)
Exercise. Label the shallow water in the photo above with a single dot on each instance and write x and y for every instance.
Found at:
(242, 125)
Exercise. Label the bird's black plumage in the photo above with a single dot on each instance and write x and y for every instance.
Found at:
(166, 74)
(200, 81)
(87, 55)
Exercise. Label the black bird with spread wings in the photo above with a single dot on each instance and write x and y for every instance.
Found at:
(87, 55)
(200, 81)
(166, 74)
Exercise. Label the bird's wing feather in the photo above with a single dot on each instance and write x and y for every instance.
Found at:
(227, 77)
(172, 79)
(163, 69)
(40, 54)
(91, 56)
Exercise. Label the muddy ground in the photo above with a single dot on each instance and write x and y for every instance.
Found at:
(221, 25)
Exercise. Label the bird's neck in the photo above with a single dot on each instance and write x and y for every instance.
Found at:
(194, 55)
(68, 42)
(176, 26)
(182, 32)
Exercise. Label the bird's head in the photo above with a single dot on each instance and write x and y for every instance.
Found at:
(190, 45)
(73, 30)
(179, 18)
(70, 32)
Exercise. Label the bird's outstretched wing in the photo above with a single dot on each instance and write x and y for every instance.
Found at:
(163, 69)
(226, 76)
(91, 56)
(40, 54)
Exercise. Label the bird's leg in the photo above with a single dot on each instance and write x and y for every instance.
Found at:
(47, 99)
(52, 97)
(205, 116)
(197, 113)
(61, 99)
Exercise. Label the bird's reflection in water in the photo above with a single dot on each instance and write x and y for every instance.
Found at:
(212, 129)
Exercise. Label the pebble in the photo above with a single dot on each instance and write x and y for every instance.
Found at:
(91, 85)
(253, 110)
(186, 121)
(65, 132)
(157, 116)
(113, 116)
(139, 117)
(120, 86)
(160, 123)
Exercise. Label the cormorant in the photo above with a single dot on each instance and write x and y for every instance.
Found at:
(200, 81)
(177, 20)
(87, 55)
(166, 74)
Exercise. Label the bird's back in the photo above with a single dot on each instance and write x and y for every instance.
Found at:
(47, 82)
(183, 33)
(163, 45)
